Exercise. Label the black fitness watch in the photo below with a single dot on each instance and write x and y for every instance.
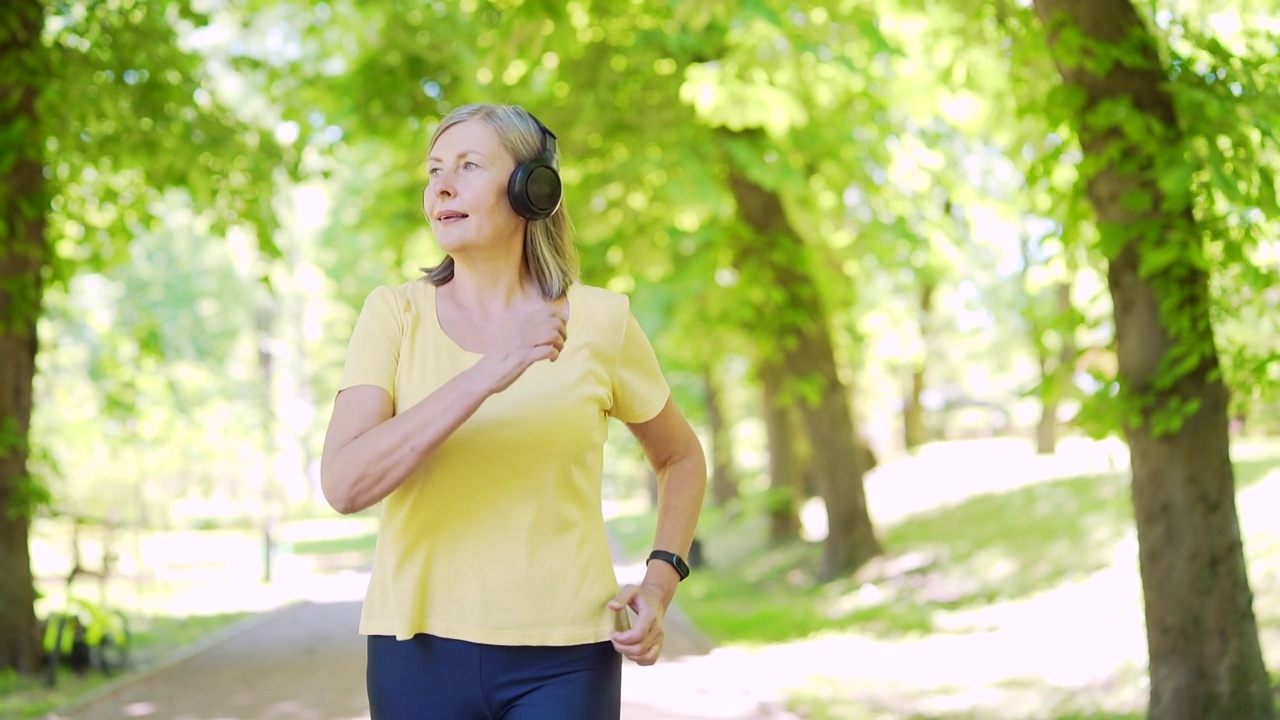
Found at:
(675, 560)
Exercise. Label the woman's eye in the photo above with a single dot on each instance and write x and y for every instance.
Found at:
(468, 164)
(433, 172)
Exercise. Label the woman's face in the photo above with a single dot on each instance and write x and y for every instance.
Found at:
(466, 195)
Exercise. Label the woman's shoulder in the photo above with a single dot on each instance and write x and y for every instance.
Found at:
(599, 303)
(601, 297)
(412, 293)
(393, 303)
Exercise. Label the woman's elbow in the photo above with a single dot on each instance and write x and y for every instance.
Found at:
(340, 502)
(338, 494)
(344, 506)
(695, 449)
(694, 462)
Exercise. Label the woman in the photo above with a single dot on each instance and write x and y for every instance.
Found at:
(474, 407)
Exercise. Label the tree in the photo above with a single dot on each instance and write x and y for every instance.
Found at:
(101, 109)
(23, 255)
(724, 479)
(1051, 324)
(772, 255)
(1205, 659)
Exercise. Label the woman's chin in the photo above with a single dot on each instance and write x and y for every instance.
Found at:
(452, 242)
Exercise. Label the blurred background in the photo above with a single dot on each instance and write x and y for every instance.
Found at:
(857, 234)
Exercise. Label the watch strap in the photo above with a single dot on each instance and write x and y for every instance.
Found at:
(672, 559)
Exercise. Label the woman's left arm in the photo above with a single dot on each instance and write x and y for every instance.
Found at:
(676, 456)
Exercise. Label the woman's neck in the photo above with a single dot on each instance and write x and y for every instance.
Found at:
(491, 288)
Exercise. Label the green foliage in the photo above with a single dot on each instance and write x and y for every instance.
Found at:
(23, 66)
(131, 104)
(11, 437)
(913, 146)
(1211, 168)
(152, 359)
(27, 494)
(131, 111)
(1227, 106)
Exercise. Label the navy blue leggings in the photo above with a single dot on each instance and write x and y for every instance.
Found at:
(429, 677)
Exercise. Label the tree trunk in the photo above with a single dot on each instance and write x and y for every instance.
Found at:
(1202, 638)
(1055, 374)
(23, 255)
(266, 321)
(784, 495)
(775, 256)
(1047, 427)
(724, 481)
(913, 430)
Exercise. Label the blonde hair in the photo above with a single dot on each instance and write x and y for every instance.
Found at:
(549, 253)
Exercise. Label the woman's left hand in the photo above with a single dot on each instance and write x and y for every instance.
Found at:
(643, 642)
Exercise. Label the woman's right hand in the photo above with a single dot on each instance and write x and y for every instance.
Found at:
(536, 335)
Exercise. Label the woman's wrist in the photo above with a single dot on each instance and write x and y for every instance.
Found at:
(489, 373)
(664, 579)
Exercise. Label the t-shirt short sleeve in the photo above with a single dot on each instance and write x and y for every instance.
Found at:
(639, 388)
(374, 349)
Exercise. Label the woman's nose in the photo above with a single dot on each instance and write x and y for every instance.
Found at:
(441, 185)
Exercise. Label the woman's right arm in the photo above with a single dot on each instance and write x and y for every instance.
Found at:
(369, 451)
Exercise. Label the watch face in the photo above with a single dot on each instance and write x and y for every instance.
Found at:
(681, 565)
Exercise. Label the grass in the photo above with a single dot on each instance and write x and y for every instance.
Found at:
(986, 549)
(751, 593)
(328, 546)
(989, 548)
(155, 636)
(831, 703)
(26, 697)
(997, 547)
(152, 639)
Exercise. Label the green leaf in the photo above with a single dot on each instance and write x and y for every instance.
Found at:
(1137, 201)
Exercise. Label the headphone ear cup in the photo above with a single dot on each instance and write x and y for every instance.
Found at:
(534, 189)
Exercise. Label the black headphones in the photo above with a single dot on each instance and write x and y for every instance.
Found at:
(534, 188)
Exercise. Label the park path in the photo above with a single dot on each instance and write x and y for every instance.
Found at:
(305, 661)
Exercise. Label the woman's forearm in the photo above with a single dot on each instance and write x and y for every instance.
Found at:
(372, 465)
(681, 486)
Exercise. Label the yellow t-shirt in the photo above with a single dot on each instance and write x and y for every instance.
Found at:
(499, 538)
